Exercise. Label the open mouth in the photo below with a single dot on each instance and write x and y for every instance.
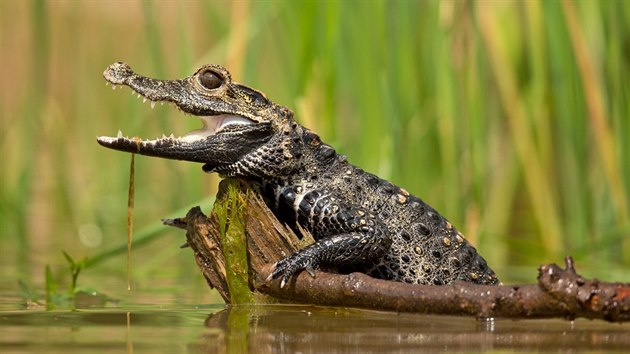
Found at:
(211, 125)
(170, 91)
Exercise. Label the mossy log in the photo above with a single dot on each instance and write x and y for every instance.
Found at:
(237, 245)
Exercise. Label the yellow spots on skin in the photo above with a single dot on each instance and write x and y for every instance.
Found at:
(446, 241)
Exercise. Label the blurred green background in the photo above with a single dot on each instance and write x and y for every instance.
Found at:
(510, 118)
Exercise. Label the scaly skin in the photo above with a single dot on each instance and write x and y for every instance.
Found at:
(359, 221)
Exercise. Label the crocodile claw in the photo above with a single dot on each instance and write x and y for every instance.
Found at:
(282, 268)
(287, 267)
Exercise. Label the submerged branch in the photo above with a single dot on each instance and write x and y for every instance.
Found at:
(558, 292)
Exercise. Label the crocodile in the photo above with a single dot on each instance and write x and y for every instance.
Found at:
(359, 221)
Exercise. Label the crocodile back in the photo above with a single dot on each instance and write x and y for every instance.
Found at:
(425, 249)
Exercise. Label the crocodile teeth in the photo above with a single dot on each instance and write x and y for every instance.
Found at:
(120, 134)
(152, 104)
(144, 100)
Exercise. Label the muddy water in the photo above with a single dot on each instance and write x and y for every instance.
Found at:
(291, 329)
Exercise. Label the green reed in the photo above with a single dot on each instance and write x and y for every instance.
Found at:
(510, 118)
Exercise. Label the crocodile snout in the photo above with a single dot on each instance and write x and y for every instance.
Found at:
(118, 73)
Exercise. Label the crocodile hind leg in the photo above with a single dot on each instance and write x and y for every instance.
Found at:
(338, 251)
(347, 238)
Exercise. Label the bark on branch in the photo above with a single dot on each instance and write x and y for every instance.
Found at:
(240, 218)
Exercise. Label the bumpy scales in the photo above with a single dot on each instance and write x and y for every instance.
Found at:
(361, 222)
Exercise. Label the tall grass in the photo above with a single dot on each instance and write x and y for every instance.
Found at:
(510, 118)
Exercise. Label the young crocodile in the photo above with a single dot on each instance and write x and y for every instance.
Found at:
(361, 222)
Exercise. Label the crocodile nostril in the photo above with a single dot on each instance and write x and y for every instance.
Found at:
(210, 80)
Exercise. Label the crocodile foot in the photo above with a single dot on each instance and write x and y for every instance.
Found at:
(306, 259)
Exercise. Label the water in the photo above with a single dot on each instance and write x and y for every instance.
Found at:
(170, 312)
(290, 329)
(101, 331)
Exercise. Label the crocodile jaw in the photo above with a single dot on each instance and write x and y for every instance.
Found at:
(211, 126)
(201, 146)
(174, 92)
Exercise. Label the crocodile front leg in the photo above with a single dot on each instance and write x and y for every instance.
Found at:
(339, 251)
(347, 238)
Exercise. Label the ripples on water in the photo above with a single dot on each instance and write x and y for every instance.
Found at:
(290, 329)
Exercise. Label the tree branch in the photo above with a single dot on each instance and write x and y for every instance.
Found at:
(239, 209)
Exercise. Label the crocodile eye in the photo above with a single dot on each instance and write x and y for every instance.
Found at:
(210, 80)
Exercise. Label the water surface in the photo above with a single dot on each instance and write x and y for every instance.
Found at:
(291, 329)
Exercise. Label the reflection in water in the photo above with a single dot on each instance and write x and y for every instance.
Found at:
(293, 329)
(290, 329)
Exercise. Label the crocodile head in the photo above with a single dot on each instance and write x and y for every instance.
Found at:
(239, 123)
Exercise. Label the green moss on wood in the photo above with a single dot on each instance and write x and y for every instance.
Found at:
(229, 210)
